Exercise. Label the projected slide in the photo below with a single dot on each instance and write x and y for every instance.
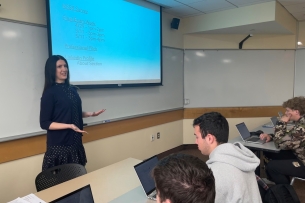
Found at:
(107, 42)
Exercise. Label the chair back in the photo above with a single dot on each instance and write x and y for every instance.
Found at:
(58, 174)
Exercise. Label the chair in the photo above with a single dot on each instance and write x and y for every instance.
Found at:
(58, 174)
(293, 178)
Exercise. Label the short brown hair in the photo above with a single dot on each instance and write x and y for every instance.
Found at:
(296, 103)
(184, 178)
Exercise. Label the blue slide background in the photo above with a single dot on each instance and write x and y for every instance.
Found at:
(107, 40)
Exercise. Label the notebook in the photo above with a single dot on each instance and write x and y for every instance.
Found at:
(143, 171)
(81, 195)
(246, 136)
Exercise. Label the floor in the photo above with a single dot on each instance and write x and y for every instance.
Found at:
(298, 185)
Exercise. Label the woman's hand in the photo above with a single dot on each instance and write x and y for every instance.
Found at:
(76, 129)
(96, 113)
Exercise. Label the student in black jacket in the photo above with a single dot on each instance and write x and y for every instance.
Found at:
(62, 116)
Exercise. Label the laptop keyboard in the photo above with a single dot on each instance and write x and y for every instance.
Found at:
(253, 139)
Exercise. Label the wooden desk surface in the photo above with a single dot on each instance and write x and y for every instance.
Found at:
(107, 184)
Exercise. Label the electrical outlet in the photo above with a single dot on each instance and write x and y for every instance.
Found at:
(152, 138)
(158, 135)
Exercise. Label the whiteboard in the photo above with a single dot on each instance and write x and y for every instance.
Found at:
(235, 78)
(125, 102)
(24, 51)
(299, 83)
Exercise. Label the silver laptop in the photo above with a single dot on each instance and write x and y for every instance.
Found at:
(246, 136)
(143, 171)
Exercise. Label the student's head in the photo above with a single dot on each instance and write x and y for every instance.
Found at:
(182, 178)
(210, 129)
(56, 71)
(295, 108)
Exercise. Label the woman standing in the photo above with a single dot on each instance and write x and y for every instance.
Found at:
(62, 116)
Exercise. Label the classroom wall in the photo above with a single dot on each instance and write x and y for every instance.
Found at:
(230, 18)
(30, 11)
(231, 41)
(17, 177)
(284, 18)
(270, 11)
(301, 34)
(171, 37)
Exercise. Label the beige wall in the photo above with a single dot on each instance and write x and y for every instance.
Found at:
(230, 18)
(301, 34)
(231, 41)
(30, 11)
(284, 18)
(171, 37)
(270, 11)
(188, 130)
(18, 177)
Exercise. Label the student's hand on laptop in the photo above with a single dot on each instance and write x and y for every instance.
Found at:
(266, 137)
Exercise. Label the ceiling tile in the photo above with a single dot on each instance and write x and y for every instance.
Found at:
(166, 3)
(240, 3)
(182, 11)
(209, 6)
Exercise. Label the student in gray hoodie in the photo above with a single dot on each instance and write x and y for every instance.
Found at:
(233, 165)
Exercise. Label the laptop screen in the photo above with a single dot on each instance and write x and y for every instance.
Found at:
(143, 171)
(243, 130)
(82, 195)
(274, 120)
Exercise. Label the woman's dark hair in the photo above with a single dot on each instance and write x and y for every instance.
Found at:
(50, 71)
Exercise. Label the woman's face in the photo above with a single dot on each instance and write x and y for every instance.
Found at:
(61, 71)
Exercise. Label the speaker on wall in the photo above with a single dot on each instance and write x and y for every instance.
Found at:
(175, 23)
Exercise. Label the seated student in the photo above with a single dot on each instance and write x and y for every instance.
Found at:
(291, 161)
(182, 178)
(233, 165)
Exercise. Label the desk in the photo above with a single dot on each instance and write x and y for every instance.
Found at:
(116, 183)
(268, 146)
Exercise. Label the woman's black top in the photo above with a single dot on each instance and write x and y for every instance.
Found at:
(62, 104)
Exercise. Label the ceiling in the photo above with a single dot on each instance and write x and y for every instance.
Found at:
(187, 8)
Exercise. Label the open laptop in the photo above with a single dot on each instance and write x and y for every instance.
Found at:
(246, 136)
(143, 171)
(81, 195)
(274, 120)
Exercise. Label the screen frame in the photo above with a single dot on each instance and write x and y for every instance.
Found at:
(73, 192)
(96, 86)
